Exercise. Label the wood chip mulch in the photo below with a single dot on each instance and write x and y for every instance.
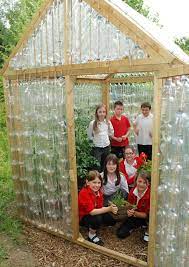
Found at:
(53, 251)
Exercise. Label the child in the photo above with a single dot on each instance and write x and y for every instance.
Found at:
(121, 127)
(143, 130)
(91, 211)
(113, 179)
(99, 132)
(140, 196)
(129, 165)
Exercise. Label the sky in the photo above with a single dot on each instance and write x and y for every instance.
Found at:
(173, 14)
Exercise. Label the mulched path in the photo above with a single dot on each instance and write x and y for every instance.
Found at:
(53, 251)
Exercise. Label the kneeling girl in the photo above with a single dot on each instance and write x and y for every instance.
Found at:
(92, 214)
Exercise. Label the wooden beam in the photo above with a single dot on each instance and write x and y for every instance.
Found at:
(158, 84)
(142, 79)
(106, 95)
(72, 154)
(116, 66)
(30, 27)
(129, 27)
(173, 71)
(93, 81)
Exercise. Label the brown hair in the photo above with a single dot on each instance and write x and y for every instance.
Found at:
(118, 103)
(144, 175)
(131, 147)
(95, 124)
(115, 160)
(93, 175)
(146, 105)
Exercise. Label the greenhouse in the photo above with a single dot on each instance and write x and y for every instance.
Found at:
(74, 55)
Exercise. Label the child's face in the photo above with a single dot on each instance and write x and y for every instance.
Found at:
(94, 185)
(145, 111)
(111, 167)
(141, 184)
(129, 154)
(118, 110)
(101, 113)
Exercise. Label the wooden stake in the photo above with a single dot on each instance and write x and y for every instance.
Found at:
(72, 154)
(158, 84)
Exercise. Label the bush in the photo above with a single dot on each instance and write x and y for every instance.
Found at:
(85, 161)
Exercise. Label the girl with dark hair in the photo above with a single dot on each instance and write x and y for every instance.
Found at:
(99, 132)
(92, 213)
(113, 180)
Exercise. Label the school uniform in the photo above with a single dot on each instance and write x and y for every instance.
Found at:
(129, 171)
(110, 189)
(143, 205)
(88, 201)
(101, 141)
(144, 139)
(121, 127)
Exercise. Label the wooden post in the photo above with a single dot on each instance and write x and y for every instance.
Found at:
(106, 95)
(72, 154)
(158, 84)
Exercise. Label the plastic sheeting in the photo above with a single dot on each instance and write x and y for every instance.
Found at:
(40, 165)
(173, 193)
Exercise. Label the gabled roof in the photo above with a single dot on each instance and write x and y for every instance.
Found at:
(144, 35)
(150, 28)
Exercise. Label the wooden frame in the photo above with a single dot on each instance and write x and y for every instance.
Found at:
(160, 61)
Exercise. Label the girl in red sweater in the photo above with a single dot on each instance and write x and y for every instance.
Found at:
(92, 214)
(129, 165)
(139, 196)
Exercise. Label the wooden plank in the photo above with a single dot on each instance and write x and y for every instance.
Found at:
(158, 84)
(174, 71)
(130, 28)
(106, 95)
(134, 79)
(30, 27)
(111, 253)
(72, 154)
(95, 81)
(116, 66)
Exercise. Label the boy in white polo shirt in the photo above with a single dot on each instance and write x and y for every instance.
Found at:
(143, 130)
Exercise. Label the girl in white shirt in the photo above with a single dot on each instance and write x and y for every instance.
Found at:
(100, 130)
(113, 180)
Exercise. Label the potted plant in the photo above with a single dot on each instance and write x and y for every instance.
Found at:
(122, 204)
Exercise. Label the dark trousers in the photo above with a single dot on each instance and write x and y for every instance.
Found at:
(100, 153)
(95, 221)
(129, 224)
(147, 149)
(118, 151)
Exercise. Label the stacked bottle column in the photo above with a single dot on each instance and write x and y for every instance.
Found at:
(173, 194)
(132, 95)
(41, 165)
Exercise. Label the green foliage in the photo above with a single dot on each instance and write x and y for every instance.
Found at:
(183, 43)
(147, 166)
(83, 147)
(120, 202)
(138, 5)
(3, 254)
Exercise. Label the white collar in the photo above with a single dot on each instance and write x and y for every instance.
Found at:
(135, 192)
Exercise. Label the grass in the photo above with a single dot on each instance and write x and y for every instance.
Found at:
(3, 254)
(8, 224)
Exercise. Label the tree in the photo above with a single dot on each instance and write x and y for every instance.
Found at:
(183, 43)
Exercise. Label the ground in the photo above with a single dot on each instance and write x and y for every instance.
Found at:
(36, 248)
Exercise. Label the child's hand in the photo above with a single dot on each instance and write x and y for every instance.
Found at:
(113, 209)
(119, 139)
(124, 137)
(130, 212)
